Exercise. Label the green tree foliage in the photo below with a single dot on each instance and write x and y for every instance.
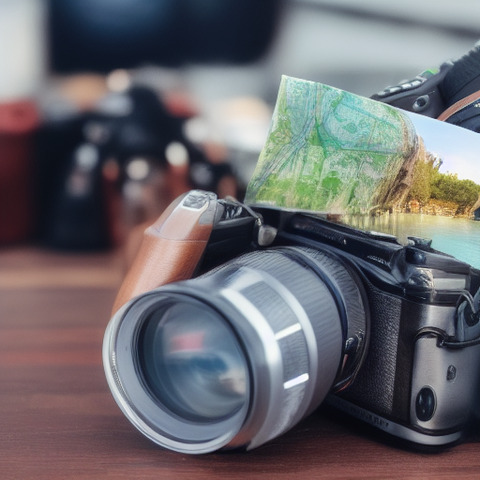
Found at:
(448, 187)
(429, 183)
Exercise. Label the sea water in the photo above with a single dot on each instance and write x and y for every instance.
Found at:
(459, 237)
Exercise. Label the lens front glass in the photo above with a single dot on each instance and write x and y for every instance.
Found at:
(192, 363)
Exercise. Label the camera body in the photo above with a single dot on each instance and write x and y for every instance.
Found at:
(421, 94)
(404, 355)
(419, 378)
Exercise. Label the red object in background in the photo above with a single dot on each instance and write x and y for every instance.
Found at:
(18, 121)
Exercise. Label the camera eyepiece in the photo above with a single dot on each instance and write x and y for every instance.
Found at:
(239, 355)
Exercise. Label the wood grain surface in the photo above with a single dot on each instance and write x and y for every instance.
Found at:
(58, 419)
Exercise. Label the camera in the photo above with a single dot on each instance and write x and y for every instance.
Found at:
(103, 171)
(449, 93)
(236, 321)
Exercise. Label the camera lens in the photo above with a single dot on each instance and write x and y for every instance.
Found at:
(239, 355)
(192, 362)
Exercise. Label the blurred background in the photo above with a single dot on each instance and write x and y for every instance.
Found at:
(111, 108)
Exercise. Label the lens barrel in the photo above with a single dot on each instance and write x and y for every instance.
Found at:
(239, 355)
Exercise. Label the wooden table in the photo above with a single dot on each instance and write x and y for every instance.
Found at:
(59, 421)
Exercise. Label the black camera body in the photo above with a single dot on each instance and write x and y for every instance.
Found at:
(320, 311)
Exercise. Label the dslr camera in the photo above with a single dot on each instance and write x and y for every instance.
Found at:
(237, 321)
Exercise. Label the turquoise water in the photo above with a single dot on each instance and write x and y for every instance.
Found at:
(459, 237)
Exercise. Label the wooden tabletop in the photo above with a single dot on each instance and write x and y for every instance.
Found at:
(58, 419)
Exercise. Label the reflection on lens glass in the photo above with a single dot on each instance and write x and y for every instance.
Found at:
(192, 362)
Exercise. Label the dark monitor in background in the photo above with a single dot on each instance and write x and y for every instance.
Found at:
(102, 35)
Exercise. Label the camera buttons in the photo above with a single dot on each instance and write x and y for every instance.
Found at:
(425, 404)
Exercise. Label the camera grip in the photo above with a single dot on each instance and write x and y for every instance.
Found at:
(172, 247)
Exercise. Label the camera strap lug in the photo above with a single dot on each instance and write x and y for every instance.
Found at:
(265, 234)
(446, 341)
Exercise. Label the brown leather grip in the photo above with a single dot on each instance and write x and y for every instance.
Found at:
(172, 247)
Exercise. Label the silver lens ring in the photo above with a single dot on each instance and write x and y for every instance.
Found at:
(126, 381)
